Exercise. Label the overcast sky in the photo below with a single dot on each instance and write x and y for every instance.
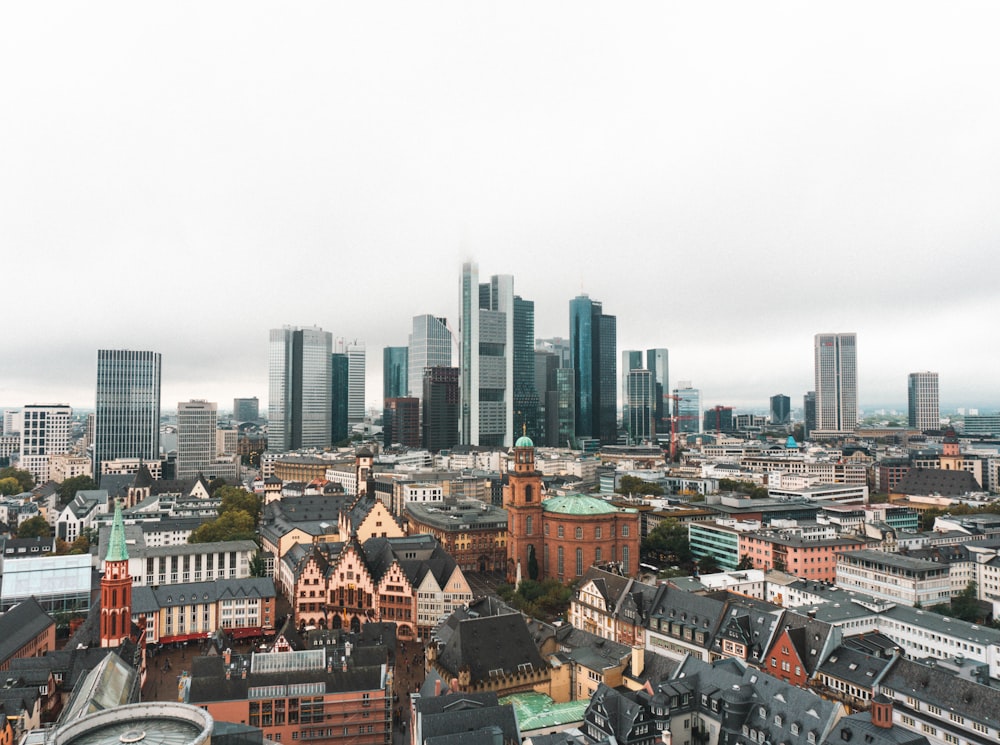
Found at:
(728, 178)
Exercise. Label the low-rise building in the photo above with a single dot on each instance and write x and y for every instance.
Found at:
(894, 577)
(473, 532)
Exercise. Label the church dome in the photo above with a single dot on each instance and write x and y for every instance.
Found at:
(524, 442)
(578, 504)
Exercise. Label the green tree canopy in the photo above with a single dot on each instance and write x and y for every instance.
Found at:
(743, 487)
(10, 485)
(258, 567)
(231, 525)
(215, 484)
(235, 498)
(24, 479)
(668, 542)
(635, 485)
(68, 488)
(34, 527)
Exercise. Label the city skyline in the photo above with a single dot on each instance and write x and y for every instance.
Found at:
(671, 162)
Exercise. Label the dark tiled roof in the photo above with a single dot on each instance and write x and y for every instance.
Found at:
(858, 728)
(943, 689)
(20, 625)
(926, 481)
(489, 644)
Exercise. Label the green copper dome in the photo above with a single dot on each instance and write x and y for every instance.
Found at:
(524, 442)
(578, 504)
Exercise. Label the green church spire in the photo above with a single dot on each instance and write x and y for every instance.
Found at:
(116, 543)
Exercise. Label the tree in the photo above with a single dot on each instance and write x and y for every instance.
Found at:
(743, 487)
(68, 488)
(34, 527)
(24, 479)
(235, 498)
(745, 563)
(532, 563)
(214, 485)
(258, 568)
(668, 542)
(10, 485)
(231, 525)
(635, 485)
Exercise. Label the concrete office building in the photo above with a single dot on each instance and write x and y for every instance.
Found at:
(922, 396)
(127, 412)
(45, 431)
(836, 371)
(300, 389)
(355, 351)
(196, 439)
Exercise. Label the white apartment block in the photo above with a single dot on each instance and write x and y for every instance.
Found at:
(894, 577)
(67, 466)
(45, 431)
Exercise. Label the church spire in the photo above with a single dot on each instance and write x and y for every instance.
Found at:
(117, 551)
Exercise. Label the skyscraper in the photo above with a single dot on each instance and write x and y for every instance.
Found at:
(395, 371)
(781, 409)
(401, 422)
(922, 395)
(808, 414)
(440, 402)
(641, 404)
(631, 360)
(526, 399)
(486, 328)
(355, 351)
(430, 345)
(836, 383)
(299, 389)
(339, 393)
(127, 411)
(658, 363)
(687, 408)
(45, 431)
(196, 425)
(593, 341)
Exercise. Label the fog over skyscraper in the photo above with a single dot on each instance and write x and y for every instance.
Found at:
(127, 410)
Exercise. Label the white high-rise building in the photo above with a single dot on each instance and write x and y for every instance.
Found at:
(836, 384)
(196, 423)
(300, 390)
(355, 351)
(640, 405)
(922, 395)
(486, 358)
(45, 431)
(430, 345)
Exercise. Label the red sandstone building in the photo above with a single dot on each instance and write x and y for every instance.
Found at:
(562, 536)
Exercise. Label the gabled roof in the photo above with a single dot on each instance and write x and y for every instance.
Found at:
(926, 481)
(20, 625)
(490, 646)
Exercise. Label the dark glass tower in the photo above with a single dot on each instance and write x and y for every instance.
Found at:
(127, 415)
(441, 401)
(526, 400)
(299, 389)
(339, 386)
(593, 341)
(395, 372)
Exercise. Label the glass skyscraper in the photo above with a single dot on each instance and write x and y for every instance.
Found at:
(687, 407)
(526, 399)
(127, 413)
(339, 396)
(299, 390)
(430, 345)
(593, 342)
(395, 372)
(640, 405)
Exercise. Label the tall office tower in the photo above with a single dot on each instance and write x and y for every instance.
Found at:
(836, 383)
(687, 408)
(45, 431)
(546, 364)
(565, 407)
(641, 405)
(526, 398)
(556, 345)
(781, 409)
(401, 422)
(719, 419)
(355, 351)
(431, 343)
(808, 414)
(246, 409)
(395, 371)
(631, 360)
(339, 395)
(441, 403)
(196, 440)
(298, 403)
(593, 340)
(922, 394)
(658, 363)
(12, 421)
(486, 359)
(127, 411)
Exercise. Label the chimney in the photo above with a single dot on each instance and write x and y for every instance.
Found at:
(638, 660)
(244, 674)
(437, 687)
(229, 673)
(882, 711)
(227, 656)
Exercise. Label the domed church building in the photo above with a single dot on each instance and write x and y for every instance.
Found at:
(562, 536)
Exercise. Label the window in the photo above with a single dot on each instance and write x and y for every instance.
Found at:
(579, 533)
(597, 532)
(624, 531)
(529, 525)
(561, 531)
(579, 562)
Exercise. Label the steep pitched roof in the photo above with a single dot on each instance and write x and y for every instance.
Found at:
(490, 645)
(926, 481)
(20, 625)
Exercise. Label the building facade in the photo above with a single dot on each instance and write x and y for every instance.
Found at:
(246, 409)
(299, 389)
(781, 409)
(836, 372)
(401, 422)
(45, 431)
(922, 399)
(640, 390)
(593, 347)
(355, 351)
(395, 372)
(687, 408)
(196, 440)
(441, 405)
(127, 413)
(430, 346)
